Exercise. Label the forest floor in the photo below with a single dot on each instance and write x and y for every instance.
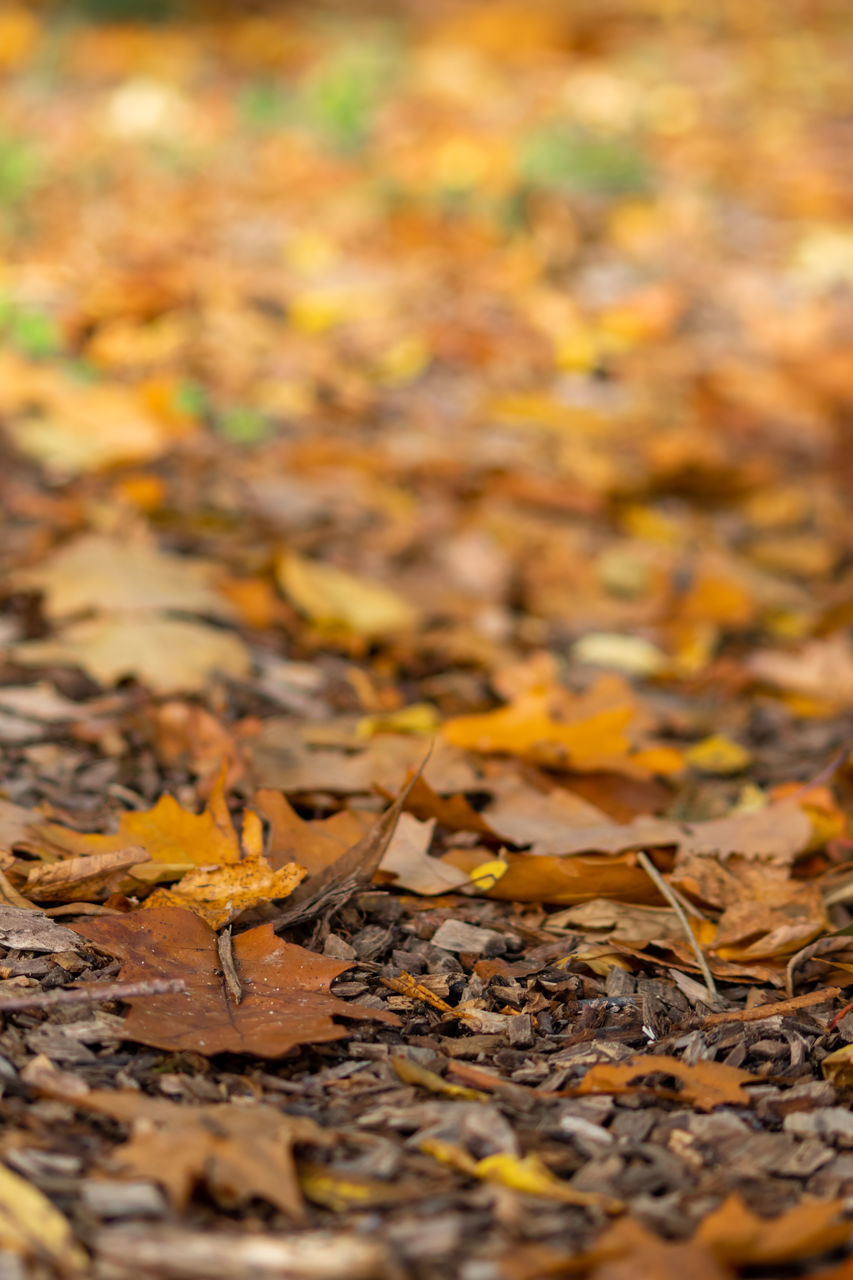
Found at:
(426, 675)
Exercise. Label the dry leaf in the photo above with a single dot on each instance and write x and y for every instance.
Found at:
(219, 894)
(169, 655)
(80, 879)
(238, 1152)
(285, 989)
(94, 573)
(705, 1084)
(30, 1225)
(333, 598)
(735, 1234)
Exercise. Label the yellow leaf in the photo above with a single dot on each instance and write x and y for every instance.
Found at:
(718, 756)
(331, 597)
(529, 1175)
(419, 718)
(526, 728)
(30, 1225)
(220, 894)
(487, 874)
(168, 833)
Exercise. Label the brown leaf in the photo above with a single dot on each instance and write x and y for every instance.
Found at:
(237, 1152)
(706, 1084)
(327, 891)
(314, 845)
(285, 989)
(735, 1234)
(79, 878)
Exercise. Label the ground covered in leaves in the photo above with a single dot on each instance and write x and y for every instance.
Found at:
(426, 676)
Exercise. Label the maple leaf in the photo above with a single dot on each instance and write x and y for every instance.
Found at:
(236, 1151)
(116, 575)
(285, 989)
(167, 832)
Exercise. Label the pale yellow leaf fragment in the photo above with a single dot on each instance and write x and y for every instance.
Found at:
(331, 597)
(220, 894)
(30, 1225)
(529, 1175)
(718, 756)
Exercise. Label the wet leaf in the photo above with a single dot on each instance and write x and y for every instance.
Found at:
(285, 989)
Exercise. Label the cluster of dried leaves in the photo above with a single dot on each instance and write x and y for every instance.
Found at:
(425, 442)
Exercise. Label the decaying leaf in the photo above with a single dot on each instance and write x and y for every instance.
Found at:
(219, 894)
(332, 598)
(705, 1084)
(170, 655)
(285, 989)
(168, 833)
(94, 573)
(237, 1152)
(31, 1226)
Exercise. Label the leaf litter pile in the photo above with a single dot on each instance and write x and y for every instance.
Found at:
(426, 669)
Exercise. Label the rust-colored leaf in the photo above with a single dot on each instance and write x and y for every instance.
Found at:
(285, 990)
(705, 1084)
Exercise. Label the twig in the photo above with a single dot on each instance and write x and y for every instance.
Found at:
(94, 993)
(229, 967)
(780, 1009)
(671, 897)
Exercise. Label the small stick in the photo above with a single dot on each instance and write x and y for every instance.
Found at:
(94, 993)
(762, 1011)
(671, 897)
(229, 968)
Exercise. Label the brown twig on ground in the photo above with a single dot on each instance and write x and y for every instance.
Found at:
(94, 993)
(229, 969)
(674, 901)
(781, 1007)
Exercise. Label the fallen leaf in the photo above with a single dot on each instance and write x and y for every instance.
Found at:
(407, 863)
(735, 1234)
(837, 1067)
(705, 1084)
(238, 1152)
(530, 1176)
(822, 669)
(628, 1250)
(285, 997)
(169, 655)
(95, 573)
(341, 1192)
(281, 760)
(79, 879)
(333, 598)
(79, 426)
(168, 833)
(718, 756)
(219, 894)
(314, 845)
(31, 1226)
(329, 889)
